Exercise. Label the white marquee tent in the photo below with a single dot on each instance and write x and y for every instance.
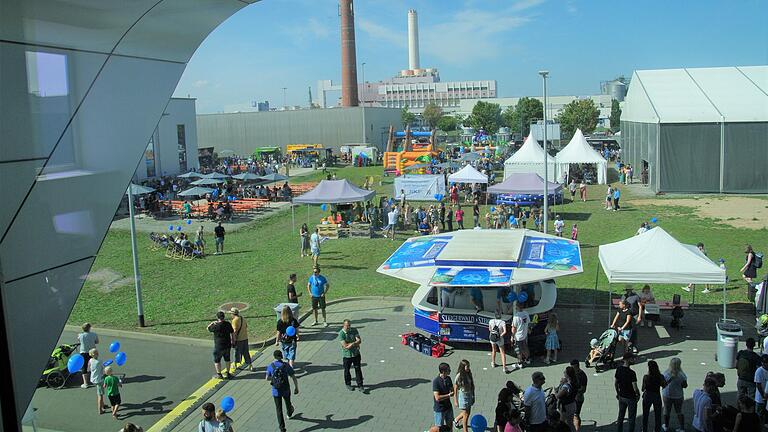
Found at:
(578, 151)
(657, 257)
(468, 174)
(530, 159)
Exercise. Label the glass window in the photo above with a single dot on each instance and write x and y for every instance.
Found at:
(180, 132)
(149, 156)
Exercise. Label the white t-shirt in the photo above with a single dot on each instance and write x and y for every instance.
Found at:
(559, 223)
(520, 323)
(765, 346)
(761, 377)
(535, 399)
(497, 324)
(97, 370)
(392, 217)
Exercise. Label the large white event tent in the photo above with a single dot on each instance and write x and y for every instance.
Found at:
(578, 151)
(468, 174)
(530, 159)
(657, 257)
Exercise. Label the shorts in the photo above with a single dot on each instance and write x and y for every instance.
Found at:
(522, 345)
(219, 353)
(466, 400)
(99, 388)
(115, 400)
(318, 303)
(219, 240)
(199, 242)
(86, 359)
(315, 252)
(288, 350)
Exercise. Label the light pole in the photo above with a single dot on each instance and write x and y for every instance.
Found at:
(544, 75)
(362, 100)
(285, 105)
(134, 252)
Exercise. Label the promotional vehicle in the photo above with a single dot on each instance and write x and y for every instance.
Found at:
(465, 276)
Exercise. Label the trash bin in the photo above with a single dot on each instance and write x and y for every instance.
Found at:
(294, 309)
(728, 334)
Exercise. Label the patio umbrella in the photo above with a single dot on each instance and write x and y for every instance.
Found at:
(215, 175)
(207, 181)
(139, 190)
(273, 177)
(196, 191)
(190, 174)
(247, 177)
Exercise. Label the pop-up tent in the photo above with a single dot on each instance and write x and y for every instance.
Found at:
(468, 174)
(335, 192)
(578, 151)
(657, 257)
(524, 183)
(530, 159)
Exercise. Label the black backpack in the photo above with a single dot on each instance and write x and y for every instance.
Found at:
(757, 261)
(495, 334)
(279, 376)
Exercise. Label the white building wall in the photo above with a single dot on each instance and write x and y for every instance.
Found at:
(180, 111)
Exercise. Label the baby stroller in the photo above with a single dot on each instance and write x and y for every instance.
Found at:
(56, 373)
(603, 349)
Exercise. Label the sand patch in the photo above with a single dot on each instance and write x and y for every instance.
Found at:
(739, 212)
(108, 280)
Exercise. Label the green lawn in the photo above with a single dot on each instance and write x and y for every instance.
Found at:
(181, 297)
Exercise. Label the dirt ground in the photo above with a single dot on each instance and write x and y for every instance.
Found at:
(739, 212)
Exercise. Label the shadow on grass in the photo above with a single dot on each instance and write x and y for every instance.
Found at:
(328, 423)
(345, 267)
(575, 216)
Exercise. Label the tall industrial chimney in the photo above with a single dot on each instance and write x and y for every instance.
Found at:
(413, 40)
(348, 56)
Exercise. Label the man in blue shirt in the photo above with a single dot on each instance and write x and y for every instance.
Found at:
(476, 298)
(278, 373)
(616, 196)
(317, 286)
(503, 304)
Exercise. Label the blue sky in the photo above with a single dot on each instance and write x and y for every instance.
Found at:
(293, 43)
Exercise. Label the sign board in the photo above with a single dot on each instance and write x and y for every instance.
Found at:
(420, 187)
(471, 276)
(417, 252)
(550, 254)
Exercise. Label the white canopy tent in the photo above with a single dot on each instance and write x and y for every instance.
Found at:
(468, 174)
(657, 257)
(530, 159)
(578, 151)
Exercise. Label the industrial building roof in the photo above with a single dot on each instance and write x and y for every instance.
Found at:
(700, 95)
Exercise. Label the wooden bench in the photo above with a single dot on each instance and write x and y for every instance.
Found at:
(663, 305)
(330, 231)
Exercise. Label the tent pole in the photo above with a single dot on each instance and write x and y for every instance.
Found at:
(610, 297)
(597, 274)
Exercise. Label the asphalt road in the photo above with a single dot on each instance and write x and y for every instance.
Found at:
(159, 373)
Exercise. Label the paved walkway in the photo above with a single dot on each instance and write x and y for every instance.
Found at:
(399, 396)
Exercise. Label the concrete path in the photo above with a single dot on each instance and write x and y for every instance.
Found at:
(160, 372)
(398, 378)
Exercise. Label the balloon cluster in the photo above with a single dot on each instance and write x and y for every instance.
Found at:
(76, 361)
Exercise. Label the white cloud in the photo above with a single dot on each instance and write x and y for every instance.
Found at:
(379, 32)
(308, 31)
(317, 28)
(200, 83)
(525, 4)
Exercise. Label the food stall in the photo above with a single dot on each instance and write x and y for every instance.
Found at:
(465, 276)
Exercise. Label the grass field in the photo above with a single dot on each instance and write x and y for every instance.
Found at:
(181, 297)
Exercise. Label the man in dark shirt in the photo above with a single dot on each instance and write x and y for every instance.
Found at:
(219, 233)
(293, 297)
(223, 340)
(442, 392)
(583, 381)
(476, 213)
(624, 323)
(626, 392)
(747, 362)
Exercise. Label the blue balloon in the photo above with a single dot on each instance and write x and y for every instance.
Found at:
(493, 209)
(75, 363)
(522, 297)
(120, 358)
(189, 221)
(437, 197)
(478, 423)
(390, 201)
(228, 403)
(114, 347)
(290, 331)
(511, 219)
(323, 207)
(511, 297)
(108, 362)
(170, 227)
(654, 220)
(178, 228)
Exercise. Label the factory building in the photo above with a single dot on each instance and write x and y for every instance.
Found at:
(699, 130)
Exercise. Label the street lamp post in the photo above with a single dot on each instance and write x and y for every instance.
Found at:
(285, 104)
(544, 75)
(362, 100)
(134, 252)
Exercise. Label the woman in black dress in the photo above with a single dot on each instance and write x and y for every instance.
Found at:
(749, 271)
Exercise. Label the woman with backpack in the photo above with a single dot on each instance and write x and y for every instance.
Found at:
(653, 382)
(566, 397)
(749, 270)
(463, 394)
(497, 328)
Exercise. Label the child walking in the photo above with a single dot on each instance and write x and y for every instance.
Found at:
(574, 232)
(112, 387)
(225, 422)
(552, 344)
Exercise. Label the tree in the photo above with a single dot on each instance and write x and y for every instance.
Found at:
(579, 114)
(615, 116)
(519, 117)
(432, 114)
(487, 116)
(447, 123)
(407, 118)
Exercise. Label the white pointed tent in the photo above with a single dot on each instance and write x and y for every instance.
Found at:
(578, 151)
(468, 174)
(530, 159)
(657, 257)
